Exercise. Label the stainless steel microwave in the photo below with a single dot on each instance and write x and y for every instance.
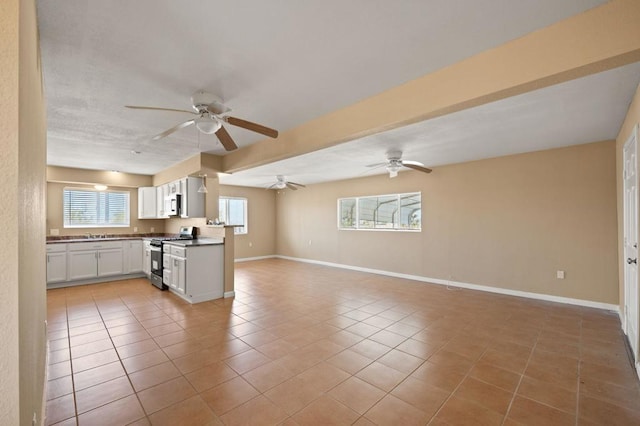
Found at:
(172, 204)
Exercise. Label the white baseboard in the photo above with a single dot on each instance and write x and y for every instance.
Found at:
(228, 294)
(518, 293)
(248, 259)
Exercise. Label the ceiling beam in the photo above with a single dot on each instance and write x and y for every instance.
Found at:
(602, 38)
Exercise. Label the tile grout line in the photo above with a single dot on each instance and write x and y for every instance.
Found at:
(119, 360)
(457, 386)
(73, 381)
(515, 391)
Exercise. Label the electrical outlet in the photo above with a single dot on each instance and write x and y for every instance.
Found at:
(250, 244)
(34, 420)
(55, 231)
(560, 275)
(153, 229)
(135, 229)
(309, 242)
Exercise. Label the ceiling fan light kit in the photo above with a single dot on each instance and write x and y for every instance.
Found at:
(283, 183)
(207, 124)
(211, 115)
(395, 162)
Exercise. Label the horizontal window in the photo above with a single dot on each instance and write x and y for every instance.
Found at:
(87, 208)
(396, 212)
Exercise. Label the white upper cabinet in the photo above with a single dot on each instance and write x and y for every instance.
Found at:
(192, 200)
(147, 207)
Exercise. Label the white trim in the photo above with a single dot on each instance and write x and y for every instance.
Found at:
(518, 293)
(247, 259)
(228, 294)
(43, 408)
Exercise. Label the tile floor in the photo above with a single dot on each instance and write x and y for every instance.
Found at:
(309, 345)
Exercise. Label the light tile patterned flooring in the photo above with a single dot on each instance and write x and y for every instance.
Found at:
(311, 345)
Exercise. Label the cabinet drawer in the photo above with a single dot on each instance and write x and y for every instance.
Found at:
(179, 251)
(56, 248)
(95, 245)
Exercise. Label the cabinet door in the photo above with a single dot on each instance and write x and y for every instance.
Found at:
(184, 206)
(110, 262)
(147, 208)
(167, 278)
(161, 192)
(180, 274)
(83, 264)
(146, 260)
(56, 267)
(134, 256)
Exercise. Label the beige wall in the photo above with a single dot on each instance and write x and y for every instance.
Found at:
(22, 269)
(55, 213)
(261, 218)
(93, 177)
(9, 190)
(261, 205)
(508, 222)
(631, 120)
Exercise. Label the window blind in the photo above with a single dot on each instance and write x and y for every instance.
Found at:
(85, 208)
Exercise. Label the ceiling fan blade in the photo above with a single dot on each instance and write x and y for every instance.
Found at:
(173, 129)
(291, 186)
(254, 127)
(159, 109)
(376, 165)
(225, 139)
(417, 167)
(297, 184)
(272, 186)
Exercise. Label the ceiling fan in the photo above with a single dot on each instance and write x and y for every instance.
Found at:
(210, 112)
(395, 162)
(283, 183)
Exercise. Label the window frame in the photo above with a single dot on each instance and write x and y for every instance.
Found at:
(237, 230)
(127, 213)
(355, 218)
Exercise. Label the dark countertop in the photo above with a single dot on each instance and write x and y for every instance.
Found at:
(92, 240)
(196, 242)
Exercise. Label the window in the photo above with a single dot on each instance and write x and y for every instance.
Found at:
(87, 208)
(396, 212)
(233, 211)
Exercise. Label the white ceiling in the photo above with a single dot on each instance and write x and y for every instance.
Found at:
(282, 63)
(581, 111)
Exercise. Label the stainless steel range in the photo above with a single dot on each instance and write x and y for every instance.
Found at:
(186, 233)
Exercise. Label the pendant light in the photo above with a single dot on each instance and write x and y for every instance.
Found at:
(203, 188)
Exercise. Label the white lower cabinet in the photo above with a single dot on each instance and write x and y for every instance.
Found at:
(133, 256)
(195, 273)
(110, 262)
(91, 260)
(146, 257)
(56, 263)
(83, 264)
